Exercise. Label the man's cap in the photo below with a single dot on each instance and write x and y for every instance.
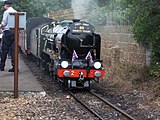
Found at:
(8, 2)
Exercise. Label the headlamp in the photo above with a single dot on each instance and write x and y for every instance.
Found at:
(64, 64)
(97, 65)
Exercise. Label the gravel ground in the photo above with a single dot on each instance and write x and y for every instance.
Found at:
(56, 104)
(38, 106)
(138, 104)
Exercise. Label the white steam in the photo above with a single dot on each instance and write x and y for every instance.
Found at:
(80, 8)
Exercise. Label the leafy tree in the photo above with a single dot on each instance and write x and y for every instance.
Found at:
(35, 8)
(26, 6)
(98, 14)
(100, 9)
(146, 28)
(57, 5)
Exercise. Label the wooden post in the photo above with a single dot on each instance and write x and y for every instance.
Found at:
(16, 29)
(16, 56)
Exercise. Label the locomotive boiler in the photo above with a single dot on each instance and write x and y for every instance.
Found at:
(71, 51)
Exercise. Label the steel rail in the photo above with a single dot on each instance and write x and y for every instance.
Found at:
(113, 106)
(86, 106)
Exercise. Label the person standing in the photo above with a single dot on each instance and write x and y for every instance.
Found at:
(8, 41)
(0, 44)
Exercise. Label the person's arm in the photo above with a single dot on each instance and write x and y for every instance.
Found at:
(4, 20)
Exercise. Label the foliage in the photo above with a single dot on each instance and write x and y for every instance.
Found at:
(58, 5)
(146, 28)
(36, 8)
(25, 6)
(98, 14)
(102, 10)
(155, 70)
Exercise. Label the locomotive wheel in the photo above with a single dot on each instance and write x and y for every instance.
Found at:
(65, 83)
(38, 63)
(33, 58)
(55, 77)
(51, 74)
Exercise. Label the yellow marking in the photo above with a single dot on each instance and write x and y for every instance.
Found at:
(77, 24)
(87, 31)
(85, 24)
(81, 28)
(72, 73)
(77, 30)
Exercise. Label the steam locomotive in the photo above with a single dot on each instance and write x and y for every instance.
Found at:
(70, 49)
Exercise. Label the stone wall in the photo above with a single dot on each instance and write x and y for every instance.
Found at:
(66, 14)
(69, 14)
(118, 46)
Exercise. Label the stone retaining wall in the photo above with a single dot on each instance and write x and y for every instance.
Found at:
(118, 46)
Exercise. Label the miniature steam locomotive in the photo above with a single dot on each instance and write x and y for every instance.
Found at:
(70, 49)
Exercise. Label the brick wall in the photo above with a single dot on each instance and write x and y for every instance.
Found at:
(118, 45)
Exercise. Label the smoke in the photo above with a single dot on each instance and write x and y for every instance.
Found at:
(81, 8)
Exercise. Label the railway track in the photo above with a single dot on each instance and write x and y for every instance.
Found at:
(101, 112)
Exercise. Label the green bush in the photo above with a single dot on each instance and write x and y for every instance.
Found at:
(146, 28)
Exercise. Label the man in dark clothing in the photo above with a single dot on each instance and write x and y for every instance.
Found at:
(8, 37)
(0, 46)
